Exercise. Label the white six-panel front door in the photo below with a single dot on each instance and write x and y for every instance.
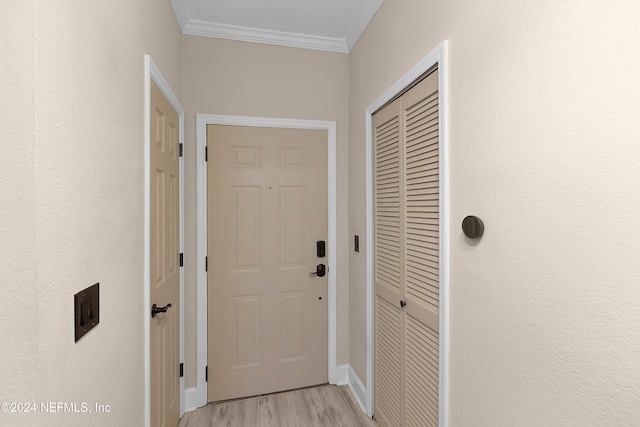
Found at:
(267, 208)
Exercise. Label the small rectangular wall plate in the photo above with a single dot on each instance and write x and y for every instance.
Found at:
(356, 243)
(86, 310)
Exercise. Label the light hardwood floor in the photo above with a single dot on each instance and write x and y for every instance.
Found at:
(324, 405)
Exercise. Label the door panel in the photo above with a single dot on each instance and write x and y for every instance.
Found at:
(247, 227)
(388, 364)
(422, 374)
(389, 252)
(422, 262)
(407, 241)
(246, 323)
(291, 223)
(267, 198)
(292, 325)
(165, 252)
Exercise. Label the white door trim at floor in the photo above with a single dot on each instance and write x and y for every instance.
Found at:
(437, 56)
(152, 73)
(197, 396)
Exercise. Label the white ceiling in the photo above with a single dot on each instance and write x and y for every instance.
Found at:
(333, 25)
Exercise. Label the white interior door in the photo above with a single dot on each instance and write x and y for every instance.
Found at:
(165, 268)
(267, 199)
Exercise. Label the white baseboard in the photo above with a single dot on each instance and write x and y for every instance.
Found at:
(342, 375)
(192, 399)
(357, 389)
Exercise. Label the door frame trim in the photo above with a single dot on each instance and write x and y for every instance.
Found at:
(152, 73)
(197, 396)
(436, 56)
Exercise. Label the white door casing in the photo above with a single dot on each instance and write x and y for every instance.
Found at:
(197, 396)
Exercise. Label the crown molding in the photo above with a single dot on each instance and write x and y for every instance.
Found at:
(181, 13)
(280, 38)
(367, 13)
(255, 35)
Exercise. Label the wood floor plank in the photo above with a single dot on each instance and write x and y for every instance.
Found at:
(268, 415)
(314, 407)
(321, 406)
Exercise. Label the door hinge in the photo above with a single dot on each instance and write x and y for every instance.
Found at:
(206, 154)
(206, 373)
(181, 149)
(182, 260)
(206, 263)
(181, 370)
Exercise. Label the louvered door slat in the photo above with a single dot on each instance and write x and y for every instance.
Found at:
(424, 175)
(422, 157)
(430, 272)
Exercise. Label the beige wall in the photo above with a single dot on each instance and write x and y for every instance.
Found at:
(18, 321)
(544, 107)
(248, 79)
(544, 129)
(76, 213)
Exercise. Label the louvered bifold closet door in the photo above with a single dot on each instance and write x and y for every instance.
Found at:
(388, 265)
(422, 251)
(407, 252)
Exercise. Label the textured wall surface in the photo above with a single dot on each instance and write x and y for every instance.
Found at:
(544, 101)
(90, 201)
(75, 201)
(248, 79)
(18, 319)
(544, 130)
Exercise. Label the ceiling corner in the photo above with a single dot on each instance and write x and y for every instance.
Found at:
(360, 24)
(181, 13)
